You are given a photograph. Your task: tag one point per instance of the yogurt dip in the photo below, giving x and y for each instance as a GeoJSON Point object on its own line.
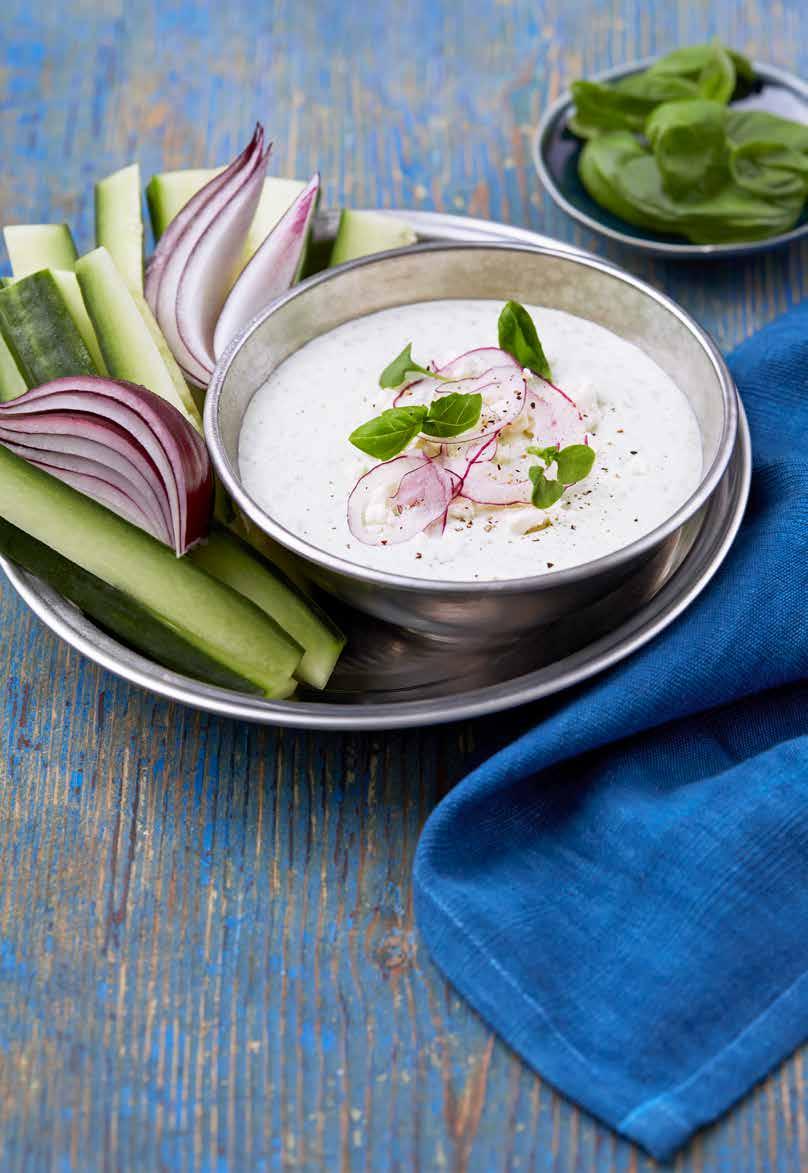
{"type": "Point", "coordinates": [297, 462]}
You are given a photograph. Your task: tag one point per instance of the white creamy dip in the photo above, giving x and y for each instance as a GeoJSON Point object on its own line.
{"type": "Point", "coordinates": [296, 460]}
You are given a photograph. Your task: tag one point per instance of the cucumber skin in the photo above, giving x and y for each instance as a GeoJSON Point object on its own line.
{"type": "Point", "coordinates": [68, 284]}
{"type": "Point", "coordinates": [221, 623]}
{"type": "Point", "coordinates": [12, 383]}
{"type": "Point", "coordinates": [233, 562]}
{"type": "Point", "coordinates": [116, 613]}
{"type": "Point", "coordinates": [40, 332]}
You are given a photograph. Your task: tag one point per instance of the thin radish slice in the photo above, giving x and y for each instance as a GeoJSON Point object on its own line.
{"type": "Point", "coordinates": [465, 366]}
{"type": "Point", "coordinates": [554, 417]}
{"type": "Point", "coordinates": [398, 499]}
{"type": "Point", "coordinates": [271, 271]}
{"type": "Point", "coordinates": [125, 445]}
{"type": "Point", "coordinates": [485, 484]}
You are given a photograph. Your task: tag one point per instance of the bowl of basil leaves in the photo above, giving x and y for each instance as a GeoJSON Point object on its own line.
{"type": "Point", "coordinates": [698, 153]}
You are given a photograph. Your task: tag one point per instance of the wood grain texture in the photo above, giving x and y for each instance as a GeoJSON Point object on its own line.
{"type": "Point", "coordinates": [207, 952]}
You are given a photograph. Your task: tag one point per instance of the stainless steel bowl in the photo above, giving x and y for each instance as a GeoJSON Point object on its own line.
{"type": "Point", "coordinates": [574, 605]}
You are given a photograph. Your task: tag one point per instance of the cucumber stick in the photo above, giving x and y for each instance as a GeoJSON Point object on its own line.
{"type": "Point", "coordinates": [68, 284]}
{"type": "Point", "coordinates": [12, 383]}
{"type": "Point", "coordinates": [128, 335]}
{"type": "Point", "coordinates": [168, 192]}
{"type": "Point", "coordinates": [32, 247]}
{"type": "Point", "coordinates": [229, 560]}
{"type": "Point", "coordinates": [40, 332]}
{"type": "Point", "coordinates": [220, 623]}
{"type": "Point", "coordinates": [119, 223]}
{"type": "Point", "coordinates": [361, 233]}
{"type": "Point", "coordinates": [117, 613]}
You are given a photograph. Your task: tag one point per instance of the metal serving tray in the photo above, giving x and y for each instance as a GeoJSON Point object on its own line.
{"type": "Point", "coordinates": [390, 679]}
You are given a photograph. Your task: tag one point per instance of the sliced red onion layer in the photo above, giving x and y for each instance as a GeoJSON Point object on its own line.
{"type": "Point", "coordinates": [271, 271]}
{"type": "Point", "coordinates": [398, 499]}
{"type": "Point", "coordinates": [188, 276]}
{"type": "Point", "coordinates": [121, 445]}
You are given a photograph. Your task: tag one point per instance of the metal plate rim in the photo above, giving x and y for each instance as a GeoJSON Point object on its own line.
{"type": "Point", "coordinates": [674, 597]}
{"type": "Point", "coordinates": [657, 248]}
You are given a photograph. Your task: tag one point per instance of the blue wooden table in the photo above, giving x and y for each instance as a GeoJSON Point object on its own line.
{"type": "Point", "coordinates": [207, 952]}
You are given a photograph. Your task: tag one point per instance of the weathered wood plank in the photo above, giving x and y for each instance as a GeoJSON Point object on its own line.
{"type": "Point", "coordinates": [207, 951]}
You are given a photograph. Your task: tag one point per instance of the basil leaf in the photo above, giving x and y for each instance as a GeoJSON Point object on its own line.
{"type": "Point", "coordinates": [545, 493]}
{"type": "Point", "coordinates": [517, 335]}
{"type": "Point", "coordinates": [769, 169]}
{"type": "Point", "coordinates": [717, 79]}
{"type": "Point", "coordinates": [453, 414]}
{"type": "Point", "coordinates": [623, 176]}
{"type": "Point", "coordinates": [690, 146]}
{"type": "Point", "coordinates": [691, 61]}
{"type": "Point", "coordinates": [389, 433]}
{"type": "Point", "coordinates": [402, 365]}
{"type": "Point", "coordinates": [548, 455]}
{"type": "Point", "coordinates": [574, 463]}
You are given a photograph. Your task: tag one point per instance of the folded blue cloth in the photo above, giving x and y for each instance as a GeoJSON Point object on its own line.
{"type": "Point", "coordinates": [623, 892]}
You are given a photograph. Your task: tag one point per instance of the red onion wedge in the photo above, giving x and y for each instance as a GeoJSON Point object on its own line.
{"type": "Point", "coordinates": [398, 499]}
{"type": "Point", "coordinates": [188, 276]}
{"type": "Point", "coordinates": [121, 445]}
{"type": "Point", "coordinates": [274, 267]}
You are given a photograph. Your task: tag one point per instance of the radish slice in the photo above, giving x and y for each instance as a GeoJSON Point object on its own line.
{"type": "Point", "coordinates": [465, 366]}
{"type": "Point", "coordinates": [273, 268]}
{"type": "Point", "coordinates": [554, 417]}
{"type": "Point", "coordinates": [486, 484]}
{"type": "Point", "coordinates": [188, 276]}
{"type": "Point", "coordinates": [492, 373]}
{"type": "Point", "coordinates": [399, 499]}
{"type": "Point", "coordinates": [120, 444]}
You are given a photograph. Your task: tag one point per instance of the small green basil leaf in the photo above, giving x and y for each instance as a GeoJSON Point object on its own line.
{"type": "Point", "coordinates": [389, 433]}
{"type": "Point", "coordinates": [453, 414]}
{"type": "Point", "coordinates": [574, 463]}
{"type": "Point", "coordinates": [517, 335]}
{"type": "Point", "coordinates": [402, 365]}
{"type": "Point", "coordinates": [545, 493]}
{"type": "Point", "coordinates": [548, 455]}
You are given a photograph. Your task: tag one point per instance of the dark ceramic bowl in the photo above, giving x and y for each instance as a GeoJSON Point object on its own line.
{"type": "Point", "coordinates": [556, 151]}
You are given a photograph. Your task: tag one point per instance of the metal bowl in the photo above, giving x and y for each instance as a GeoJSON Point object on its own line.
{"type": "Point", "coordinates": [556, 151]}
{"type": "Point", "coordinates": [576, 601]}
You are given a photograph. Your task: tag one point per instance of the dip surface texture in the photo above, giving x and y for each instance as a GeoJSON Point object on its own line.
{"type": "Point", "coordinates": [296, 460]}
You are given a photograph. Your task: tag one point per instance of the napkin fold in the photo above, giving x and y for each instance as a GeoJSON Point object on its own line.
{"type": "Point", "coordinates": [622, 893]}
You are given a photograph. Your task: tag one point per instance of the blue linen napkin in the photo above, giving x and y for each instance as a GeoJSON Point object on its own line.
{"type": "Point", "coordinates": [622, 893]}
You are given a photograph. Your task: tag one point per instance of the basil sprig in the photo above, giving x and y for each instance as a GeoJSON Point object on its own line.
{"type": "Point", "coordinates": [573, 464]}
{"type": "Point", "coordinates": [396, 428]}
{"type": "Point", "coordinates": [396, 373]}
{"type": "Point", "coordinates": [517, 335]}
